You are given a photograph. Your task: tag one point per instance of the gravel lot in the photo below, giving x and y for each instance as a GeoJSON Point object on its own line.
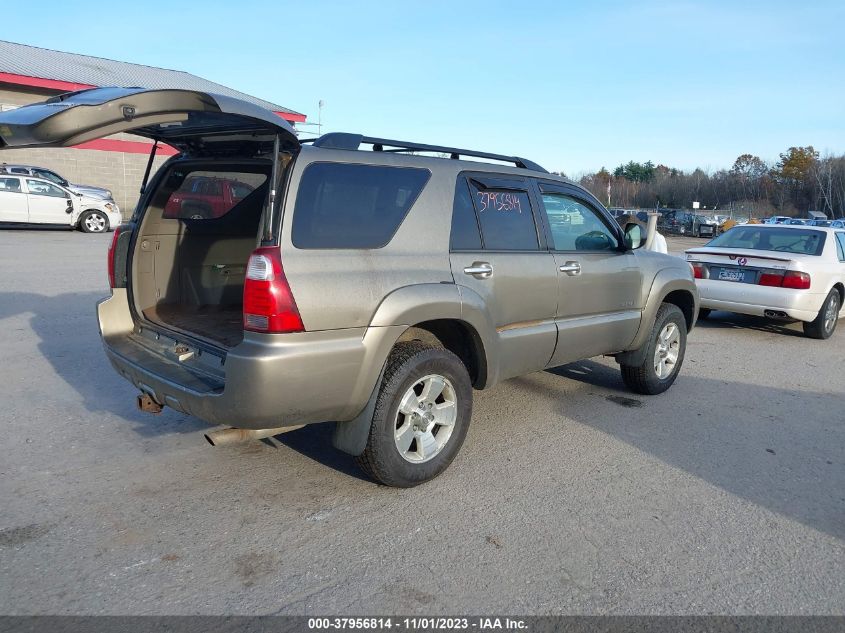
{"type": "Point", "coordinates": [724, 495]}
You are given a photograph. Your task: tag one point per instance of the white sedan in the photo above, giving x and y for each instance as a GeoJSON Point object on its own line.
{"type": "Point", "coordinates": [26, 201]}
{"type": "Point", "coordinates": [777, 271]}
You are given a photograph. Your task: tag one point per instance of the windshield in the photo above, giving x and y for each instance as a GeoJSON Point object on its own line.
{"type": "Point", "coordinates": [757, 237]}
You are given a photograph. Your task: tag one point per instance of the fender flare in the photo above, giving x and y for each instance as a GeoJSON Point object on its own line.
{"type": "Point", "coordinates": [666, 281]}
{"type": "Point", "coordinates": [410, 305]}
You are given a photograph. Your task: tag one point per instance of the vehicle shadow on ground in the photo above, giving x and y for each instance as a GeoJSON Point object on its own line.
{"type": "Point", "coordinates": [69, 339]}
{"type": "Point", "coordinates": [66, 326]}
{"type": "Point", "coordinates": [730, 320]}
{"type": "Point", "coordinates": [788, 459]}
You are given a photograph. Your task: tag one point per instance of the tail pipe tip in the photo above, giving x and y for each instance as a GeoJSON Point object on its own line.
{"type": "Point", "coordinates": [225, 437]}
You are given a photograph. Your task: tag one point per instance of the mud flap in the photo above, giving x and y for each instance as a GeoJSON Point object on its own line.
{"type": "Point", "coordinates": [351, 437]}
{"type": "Point", "coordinates": [634, 358]}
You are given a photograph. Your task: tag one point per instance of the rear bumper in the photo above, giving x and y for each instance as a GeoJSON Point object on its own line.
{"type": "Point", "coordinates": [267, 381]}
{"type": "Point", "coordinates": [755, 300]}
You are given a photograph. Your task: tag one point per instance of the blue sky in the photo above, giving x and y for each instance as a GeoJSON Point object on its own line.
{"type": "Point", "coordinates": [572, 86]}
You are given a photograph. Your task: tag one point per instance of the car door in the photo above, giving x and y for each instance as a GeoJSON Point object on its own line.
{"type": "Point", "coordinates": [13, 203]}
{"type": "Point", "coordinates": [48, 204]}
{"type": "Point", "coordinates": [498, 255]}
{"type": "Point", "coordinates": [599, 281]}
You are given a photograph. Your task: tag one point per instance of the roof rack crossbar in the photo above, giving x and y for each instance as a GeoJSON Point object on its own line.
{"type": "Point", "coordinates": [342, 140]}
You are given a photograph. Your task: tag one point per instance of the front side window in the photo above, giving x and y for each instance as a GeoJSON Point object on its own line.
{"type": "Point", "coordinates": [575, 226]}
{"type": "Point", "coordinates": [11, 185]}
{"type": "Point", "coordinates": [505, 217]}
{"type": "Point", "coordinates": [341, 205]}
{"type": "Point", "coordinates": [41, 188]}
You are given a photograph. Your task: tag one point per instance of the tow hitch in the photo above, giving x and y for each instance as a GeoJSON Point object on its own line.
{"type": "Point", "coordinates": [148, 405]}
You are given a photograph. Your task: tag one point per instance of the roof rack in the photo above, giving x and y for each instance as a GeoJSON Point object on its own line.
{"type": "Point", "coordinates": [345, 140]}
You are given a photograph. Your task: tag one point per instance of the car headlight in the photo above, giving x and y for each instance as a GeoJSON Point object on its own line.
{"type": "Point", "coordinates": [109, 206]}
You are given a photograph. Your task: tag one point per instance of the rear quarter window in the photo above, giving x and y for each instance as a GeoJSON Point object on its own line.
{"type": "Point", "coordinates": [340, 205]}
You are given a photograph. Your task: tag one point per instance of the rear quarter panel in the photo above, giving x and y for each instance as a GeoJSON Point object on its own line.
{"type": "Point", "coordinates": [343, 288]}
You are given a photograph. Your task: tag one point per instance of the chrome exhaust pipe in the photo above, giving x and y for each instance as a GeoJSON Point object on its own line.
{"type": "Point", "coordinates": [225, 437]}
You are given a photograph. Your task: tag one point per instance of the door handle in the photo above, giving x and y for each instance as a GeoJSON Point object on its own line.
{"type": "Point", "coordinates": [571, 268]}
{"type": "Point", "coordinates": [479, 270]}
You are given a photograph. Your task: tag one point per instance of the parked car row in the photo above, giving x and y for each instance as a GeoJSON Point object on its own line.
{"type": "Point", "coordinates": [30, 201]}
{"type": "Point", "coordinates": [48, 174]}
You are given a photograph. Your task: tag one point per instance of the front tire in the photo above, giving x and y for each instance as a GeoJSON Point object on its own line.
{"type": "Point", "coordinates": [94, 222]}
{"type": "Point", "coordinates": [664, 355]}
{"type": "Point", "coordinates": [824, 325]}
{"type": "Point", "coordinates": [421, 417]}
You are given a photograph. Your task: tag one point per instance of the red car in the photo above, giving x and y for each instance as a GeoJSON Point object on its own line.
{"type": "Point", "coordinates": [205, 198]}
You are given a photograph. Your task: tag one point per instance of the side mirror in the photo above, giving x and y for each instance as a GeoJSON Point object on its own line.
{"type": "Point", "coordinates": [634, 235]}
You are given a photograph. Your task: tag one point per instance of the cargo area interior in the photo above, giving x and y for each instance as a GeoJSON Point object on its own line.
{"type": "Point", "coordinates": [192, 249]}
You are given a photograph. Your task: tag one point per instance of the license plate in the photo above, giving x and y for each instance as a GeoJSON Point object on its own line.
{"type": "Point", "coordinates": [727, 274]}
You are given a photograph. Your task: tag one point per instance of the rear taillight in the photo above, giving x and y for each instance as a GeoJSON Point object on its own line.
{"type": "Point", "coordinates": [796, 280]}
{"type": "Point", "coordinates": [790, 279]}
{"type": "Point", "coordinates": [699, 270]}
{"type": "Point", "coordinates": [770, 279]}
{"type": "Point", "coordinates": [268, 303]}
{"type": "Point", "coordinates": [112, 248]}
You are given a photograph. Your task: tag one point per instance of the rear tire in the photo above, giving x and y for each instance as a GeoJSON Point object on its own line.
{"type": "Point", "coordinates": [824, 325]}
{"type": "Point", "coordinates": [664, 355]}
{"type": "Point", "coordinates": [94, 222]}
{"type": "Point", "coordinates": [418, 425]}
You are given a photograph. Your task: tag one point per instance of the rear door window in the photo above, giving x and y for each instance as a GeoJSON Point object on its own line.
{"type": "Point", "coordinates": [10, 185]}
{"type": "Point", "coordinates": [343, 205]}
{"type": "Point", "coordinates": [504, 214]}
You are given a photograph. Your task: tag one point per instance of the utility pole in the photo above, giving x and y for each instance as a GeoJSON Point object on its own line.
{"type": "Point", "coordinates": [320, 105]}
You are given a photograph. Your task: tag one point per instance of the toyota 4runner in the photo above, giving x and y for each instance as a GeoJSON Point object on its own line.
{"type": "Point", "coordinates": [372, 288]}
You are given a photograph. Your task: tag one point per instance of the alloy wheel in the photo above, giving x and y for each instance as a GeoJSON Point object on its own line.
{"type": "Point", "coordinates": [667, 350]}
{"type": "Point", "coordinates": [425, 419]}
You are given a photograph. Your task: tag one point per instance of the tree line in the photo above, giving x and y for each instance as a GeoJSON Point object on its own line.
{"type": "Point", "coordinates": [798, 182]}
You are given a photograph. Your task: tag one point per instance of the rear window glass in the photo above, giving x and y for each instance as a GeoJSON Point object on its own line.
{"type": "Point", "coordinates": [353, 206]}
{"type": "Point", "coordinates": [783, 240]}
{"type": "Point", "coordinates": [208, 195]}
{"type": "Point", "coordinates": [10, 184]}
